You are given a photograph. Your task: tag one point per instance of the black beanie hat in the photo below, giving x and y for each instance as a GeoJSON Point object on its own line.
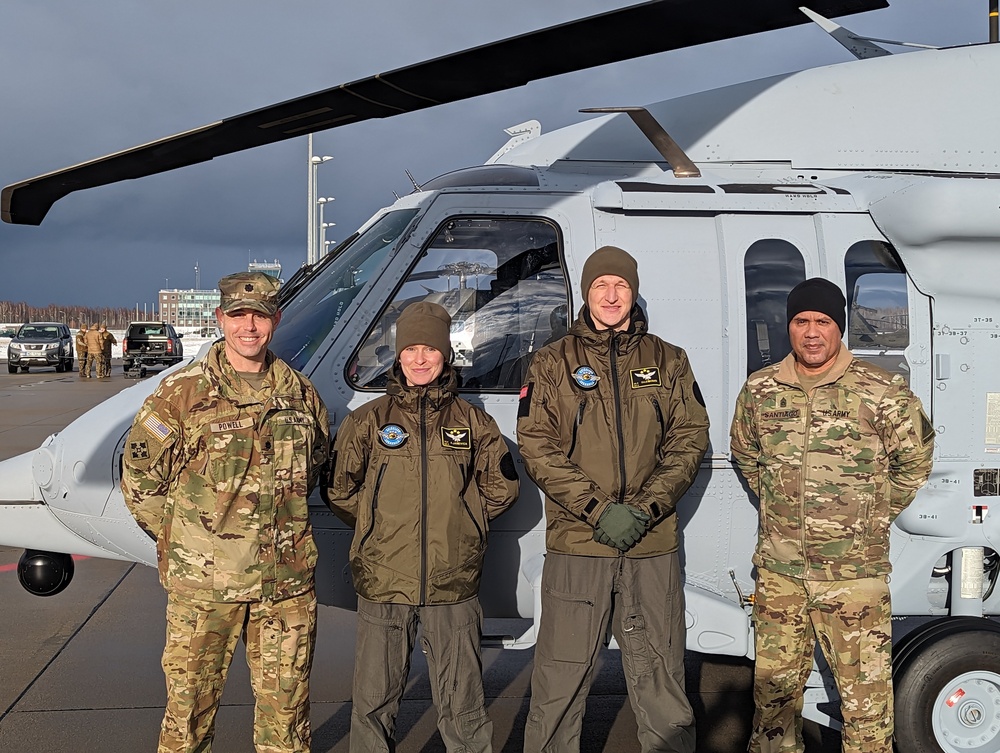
{"type": "Point", "coordinates": [818, 294]}
{"type": "Point", "coordinates": [424, 323]}
{"type": "Point", "coordinates": [610, 260]}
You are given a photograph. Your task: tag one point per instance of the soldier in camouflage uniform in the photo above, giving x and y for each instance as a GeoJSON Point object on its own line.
{"type": "Point", "coordinates": [95, 346]}
{"type": "Point", "coordinates": [835, 448]}
{"type": "Point", "coordinates": [218, 466]}
{"type": "Point", "coordinates": [612, 427]}
{"type": "Point", "coordinates": [81, 351]}
{"type": "Point", "coordinates": [419, 474]}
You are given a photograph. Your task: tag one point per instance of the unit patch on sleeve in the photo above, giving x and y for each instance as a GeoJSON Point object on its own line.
{"type": "Point", "coordinates": [646, 377]}
{"type": "Point", "coordinates": [139, 450]}
{"type": "Point", "coordinates": [457, 438]}
{"type": "Point", "coordinates": [524, 402]}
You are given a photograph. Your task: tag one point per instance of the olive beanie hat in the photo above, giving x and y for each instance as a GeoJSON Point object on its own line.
{"type": "Point", "coordinates": [424, 323]}
{"type": "Point", "coordinates": [610, 260]}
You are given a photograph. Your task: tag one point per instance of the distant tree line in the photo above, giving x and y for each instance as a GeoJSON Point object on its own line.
{"type": "Point", "coordinates": [74, 316]}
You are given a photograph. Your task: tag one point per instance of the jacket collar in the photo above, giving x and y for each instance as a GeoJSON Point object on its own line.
{"type": "Point", "coordinates": [438, 393]}
{"type": "Point", "coordinates": [601, 339]}
{"type": "Point", "coordinates": [227, 380]}
{"type": "Point", "coordinates": [787, 373]}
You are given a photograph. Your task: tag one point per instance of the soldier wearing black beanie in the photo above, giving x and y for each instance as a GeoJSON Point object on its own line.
{"type": "Point", "coordinates": [817, 294]}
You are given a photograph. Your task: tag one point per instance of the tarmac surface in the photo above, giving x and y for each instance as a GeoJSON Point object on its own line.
{"type": "Point", "coordinates": [81, 669]}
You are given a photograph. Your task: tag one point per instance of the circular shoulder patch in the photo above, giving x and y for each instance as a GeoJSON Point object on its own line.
{"type": "Point", "coordinates": [586, 377]}
{"type": "Point", "coordinates": [392, 436]}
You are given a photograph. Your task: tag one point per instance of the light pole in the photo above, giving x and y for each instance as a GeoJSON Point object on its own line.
{"type": "Point", "coordinates": [322, 236]}
{"type": "Point", "coordinates": [321, 244]}
{"type": "Point", "coordinates": [314, 163]}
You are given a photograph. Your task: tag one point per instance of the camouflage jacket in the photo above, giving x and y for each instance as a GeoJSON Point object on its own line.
{"type": "Point", "coordinates": [95, 342]}
{"type": "Point", "coordinates": [219, 474]}
{"type": "Point", "coordinates": [611, 417]}
{"type": "Point", "coordinates": [81, 343]}
{"type": "Point", "coordinates": [832, 470]}
{"type": "Point", "coordinates": [419, 473]}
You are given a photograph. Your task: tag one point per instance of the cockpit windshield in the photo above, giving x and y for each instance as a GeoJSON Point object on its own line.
{"type": "Point", "coordinates": [309, 317]}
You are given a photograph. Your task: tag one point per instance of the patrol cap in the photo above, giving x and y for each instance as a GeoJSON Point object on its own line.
{"type": "Point", "coordinates": [249, 290]}
{"type": "Point", "coordinates": [610, 260]}
{"type": "Point", "coordinates": [818, 294]}
{"type": "Point", "coordinates": [424, 323]}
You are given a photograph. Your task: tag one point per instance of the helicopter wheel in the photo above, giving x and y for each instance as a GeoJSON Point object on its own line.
{"type": "Point", "coordinates": [947, 688]}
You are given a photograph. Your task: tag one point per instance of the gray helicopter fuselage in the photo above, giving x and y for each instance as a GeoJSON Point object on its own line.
{"type": "Point", "coordinates": [880, 175]}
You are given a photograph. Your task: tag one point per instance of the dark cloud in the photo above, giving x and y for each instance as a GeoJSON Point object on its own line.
{"type": "Point", "coordinates": [85, 79]}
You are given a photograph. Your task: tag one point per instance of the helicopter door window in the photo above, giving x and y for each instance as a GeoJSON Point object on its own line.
{"type": "Point", "coordinates": [771, 268]}
{"type": "Point", "coordinates": [878, 323]}
{"type": "Point", "coordinates": [308, 318]}
{"type": "Point", "coordinates": [502, 281]}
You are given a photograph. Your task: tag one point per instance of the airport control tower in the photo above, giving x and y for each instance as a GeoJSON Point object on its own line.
{"type": "Point", "coordinates": [272, 268]}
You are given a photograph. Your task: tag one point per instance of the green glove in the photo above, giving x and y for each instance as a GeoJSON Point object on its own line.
{"type": "Point", "coordinates": [621, 525]}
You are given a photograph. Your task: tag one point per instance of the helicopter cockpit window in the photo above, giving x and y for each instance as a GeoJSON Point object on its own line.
{"type": "Point", "coordinates": [771, 268]}
{"type": "Point", "coordinates": [501, 280]}
{"type": "Point", "coordinates": [878, 323]}
{"type": "Point", "coordinates": [308, 318]}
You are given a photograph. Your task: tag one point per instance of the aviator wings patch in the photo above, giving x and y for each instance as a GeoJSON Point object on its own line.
{"type": "Point", "coordinates": [457, 438]}
{"type": "Point", "coordinates": [645, 377]}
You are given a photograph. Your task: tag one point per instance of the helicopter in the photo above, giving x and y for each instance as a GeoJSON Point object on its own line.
{"type": "Point", "coordinates": [878, 174]}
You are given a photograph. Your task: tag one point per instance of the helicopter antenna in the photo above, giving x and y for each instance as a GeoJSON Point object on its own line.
{"type": "Point", "coordinates": [416, 186]}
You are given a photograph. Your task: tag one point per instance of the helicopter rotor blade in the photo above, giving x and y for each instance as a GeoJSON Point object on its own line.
{"type": "Point", "coordinates": [622, 34]}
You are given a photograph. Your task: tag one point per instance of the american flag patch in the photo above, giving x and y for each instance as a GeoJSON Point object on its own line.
{"type": "Point", "coordinates": [156, 427]}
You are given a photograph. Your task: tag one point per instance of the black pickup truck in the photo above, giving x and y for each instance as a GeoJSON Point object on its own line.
{"type": "Point", "coordinates": [150, 344]}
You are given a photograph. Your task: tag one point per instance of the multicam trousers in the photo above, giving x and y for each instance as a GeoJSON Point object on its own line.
{"type": "Point", "coordinates": [643, 602]}
{"type": "Point", "coordinates": [201, 638]}
{"type": "Point", "coordinates": [851, 620]}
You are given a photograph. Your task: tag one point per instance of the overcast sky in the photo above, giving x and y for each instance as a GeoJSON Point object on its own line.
{"type": "Point", "coordinates": [80, 80]}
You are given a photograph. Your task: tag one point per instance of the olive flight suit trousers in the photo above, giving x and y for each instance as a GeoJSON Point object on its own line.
{"type": "Point", "coordinates": [851, 619]}
{"type": "Point", "coordinates": [643, 601]}
{"type": "Point", "coordinates": [451, 642]}
{"type": "Point", "coordinates": [201, 638]}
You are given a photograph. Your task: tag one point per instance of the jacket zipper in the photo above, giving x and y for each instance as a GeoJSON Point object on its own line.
{"type": "Point", "coordinates": [802, 481]}
{"type": "Point", "coordinates": [618, 417]}
{"type": "Point", "coordinates": [371, 524]}
{"type": "Point", "coordinates": [423, 499]}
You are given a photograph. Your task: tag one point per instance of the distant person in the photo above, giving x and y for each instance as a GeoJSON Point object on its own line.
{"type": "Point", "coordinates": [81, 351]}
{"type": "Point", "coordinates": [612, 427]}
{"type": "Point", "coordinates": [835, 448]}
{"type": "Point", "coordinates": [419, 473]}
{"type": "Point", "coordinates": [218, 466]}
{"type": "Point", "coordinates": [95, 348]}
{"type": "Point", "coordinates": [107, 341]}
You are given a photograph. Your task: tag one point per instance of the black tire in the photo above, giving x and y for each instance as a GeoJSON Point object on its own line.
{"type": "Point", "coordinates": [947, 688]}
{"type": "Point", "coordinates": [11, 368]}
{"type": "Point", "coordinates": [59, 367]}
